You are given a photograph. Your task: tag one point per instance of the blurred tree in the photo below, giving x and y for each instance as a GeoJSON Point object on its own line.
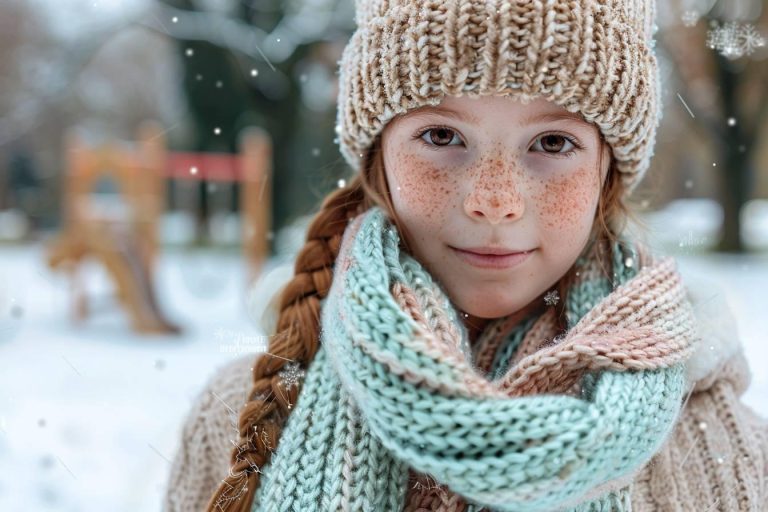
{"type": "Point", "coordinates": [23, 183]}
{"type": "Point", "coordinates": [59, 69]}
{"type": "Point", "coordinates": [243, 63]}
{"type": "Point", "coordinates": [724, 82]}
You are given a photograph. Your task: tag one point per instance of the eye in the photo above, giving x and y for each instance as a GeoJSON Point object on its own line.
{"type": "Point", "coordinates": [557, 144]}
{"type": "Point", "coordinates": [438, 136]}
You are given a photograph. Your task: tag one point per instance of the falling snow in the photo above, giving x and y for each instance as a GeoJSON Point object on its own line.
{"type": "Point", "coordinates": [733, 39]}
{"type": "Point", "coordinates": [751, 39]}
{"type": "Point", "coordinates": [551, 298]}
{"type": "Point", "coordinates": [690, 18]}
{"type": "Point", "coordinates": [119, 397]}
{"type": "Point", "coordinates": [291, 375]}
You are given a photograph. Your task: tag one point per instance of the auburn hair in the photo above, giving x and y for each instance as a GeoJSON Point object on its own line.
{"type": "Point", "coordinates": [296, 338]}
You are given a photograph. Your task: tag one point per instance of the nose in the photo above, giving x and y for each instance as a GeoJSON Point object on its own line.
{"type": "Point", "coordinates": [495, 196]}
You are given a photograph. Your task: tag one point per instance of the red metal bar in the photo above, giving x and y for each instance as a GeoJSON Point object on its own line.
{"type": "Point", "coordinates": [204, 166]}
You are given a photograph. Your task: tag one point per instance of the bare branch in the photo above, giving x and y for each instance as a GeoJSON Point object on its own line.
{"type": "Point", "coordinates": [239, 37]}
{"type": "Point", "coordinates": [308, 24]}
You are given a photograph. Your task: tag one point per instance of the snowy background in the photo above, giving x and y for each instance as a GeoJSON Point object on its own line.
{"type": "Point", "coordinates": [90, 416]}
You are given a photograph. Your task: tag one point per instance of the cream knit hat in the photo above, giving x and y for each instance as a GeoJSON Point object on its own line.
{"type": "Point", "coordinates": [588, 56]}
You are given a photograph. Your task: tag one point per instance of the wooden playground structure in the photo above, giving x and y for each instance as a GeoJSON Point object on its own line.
{"type": "Point", "coordinates": [122, 233]}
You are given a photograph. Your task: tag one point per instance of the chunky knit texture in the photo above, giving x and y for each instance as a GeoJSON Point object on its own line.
{"type": "Point", "coordinates": [396, 395]}
{"type": "Point", "coordinates": [689, 473]}
{"type": "Point", "coordinates": [594, 57]}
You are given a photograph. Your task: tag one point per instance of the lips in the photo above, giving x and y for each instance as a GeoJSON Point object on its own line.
{"type": "Point", "coordinates": [493, 251]}
{"type": "Point", "coordinates": [505, 258]}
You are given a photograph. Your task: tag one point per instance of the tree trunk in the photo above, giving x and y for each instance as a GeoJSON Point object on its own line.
{"type": "Point", "coordinates": [734, 169]}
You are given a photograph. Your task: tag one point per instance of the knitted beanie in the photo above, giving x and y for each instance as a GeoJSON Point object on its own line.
{"type": "Point", "coordinates": [594, 57]}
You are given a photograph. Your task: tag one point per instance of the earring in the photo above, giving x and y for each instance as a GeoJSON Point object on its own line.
{"type": "Point", "coordinates": [551, 298]}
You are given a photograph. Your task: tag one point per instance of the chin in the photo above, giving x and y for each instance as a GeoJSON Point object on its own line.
{"type": "Point", "coordinates": [489, 311]}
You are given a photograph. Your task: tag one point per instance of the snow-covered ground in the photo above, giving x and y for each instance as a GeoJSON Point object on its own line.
{"type": "Point", "coordinates": [90, 416]}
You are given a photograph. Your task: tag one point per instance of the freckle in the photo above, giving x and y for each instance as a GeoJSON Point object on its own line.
{"type": "Point", "coordinates": [423, 186]}
{"type": "Point", "coordinates": [565, 200]}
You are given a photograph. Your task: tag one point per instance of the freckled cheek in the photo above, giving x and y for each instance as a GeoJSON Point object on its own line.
{"type": "Point", "coordinates": [426, 190]}
{"type": "Point", "coordinates": [566, 206]}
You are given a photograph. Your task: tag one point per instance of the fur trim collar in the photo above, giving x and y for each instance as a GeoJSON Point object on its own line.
{"type": "Point", "coordinates": [718, 336]}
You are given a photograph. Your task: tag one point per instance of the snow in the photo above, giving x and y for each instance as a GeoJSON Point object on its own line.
{"type": "Point", "coordinates": [90, 416]}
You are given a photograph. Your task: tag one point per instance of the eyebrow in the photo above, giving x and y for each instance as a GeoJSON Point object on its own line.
{"type": "Point", "coordinates": [445, 111]}
{"type": "Point", "coordinates": [553, 116]}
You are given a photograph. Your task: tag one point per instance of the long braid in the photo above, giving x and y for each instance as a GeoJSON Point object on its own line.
{"type": "Point", "coordinates": [296, 340]}
{"type": "Point", "coordinates": [297, 334]}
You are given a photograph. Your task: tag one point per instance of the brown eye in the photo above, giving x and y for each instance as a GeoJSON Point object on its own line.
{"type": "Point", "coordinates": [439, 136]}
{"type": "Point", "coordinates": [555, 144]}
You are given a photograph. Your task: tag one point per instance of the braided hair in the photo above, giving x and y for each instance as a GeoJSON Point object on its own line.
{"type": "Point", "coordinates": [296, 338]}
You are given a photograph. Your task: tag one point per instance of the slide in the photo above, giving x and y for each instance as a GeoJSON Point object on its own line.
{"type": "Point", "coordinates": [123, 261]}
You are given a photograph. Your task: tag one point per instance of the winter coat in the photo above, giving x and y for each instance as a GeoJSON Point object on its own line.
{"type": "Point", "coordinates": [716, 458]}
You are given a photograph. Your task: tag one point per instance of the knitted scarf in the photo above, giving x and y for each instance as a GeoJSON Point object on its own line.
{"type": "Point", "coordinates": [398, 412]}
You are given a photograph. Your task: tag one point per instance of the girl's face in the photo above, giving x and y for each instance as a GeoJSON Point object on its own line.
{"type": "Point", "coordinates": [493, 172]}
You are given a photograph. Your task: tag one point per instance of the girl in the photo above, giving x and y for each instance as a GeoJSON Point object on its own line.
{"type": "Point", "coordinates": [471, 325]}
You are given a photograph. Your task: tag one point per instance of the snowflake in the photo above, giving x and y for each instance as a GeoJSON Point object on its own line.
{"type": "Point", "coordinates": [751, 39]}
{"type": "Point", "coordinates": [291, 375]}
{"type": "Point", "coordinates": [690, 18]}
{"type": "Point", "coordinates": [733, 40]}
{"type": "Point", "coordinates": [725, 39]}
{"type": "Point", "coordinates": [551, 298]}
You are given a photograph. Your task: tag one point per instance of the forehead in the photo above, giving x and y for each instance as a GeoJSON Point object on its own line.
{"type": "Point", "coordinates": [509, 109]}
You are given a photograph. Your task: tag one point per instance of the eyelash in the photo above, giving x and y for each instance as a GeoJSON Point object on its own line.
{"type": "Point", "coordinates": [568, 154]}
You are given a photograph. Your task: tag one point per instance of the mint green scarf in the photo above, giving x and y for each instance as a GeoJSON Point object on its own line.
{"type": "Point", "coordinates": [394, 391]}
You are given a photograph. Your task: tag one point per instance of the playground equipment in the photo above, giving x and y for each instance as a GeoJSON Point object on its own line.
{"type": "Point", "coordinates": [252, 169]}
{"type": "Point", "coordinates": [120, 229]}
